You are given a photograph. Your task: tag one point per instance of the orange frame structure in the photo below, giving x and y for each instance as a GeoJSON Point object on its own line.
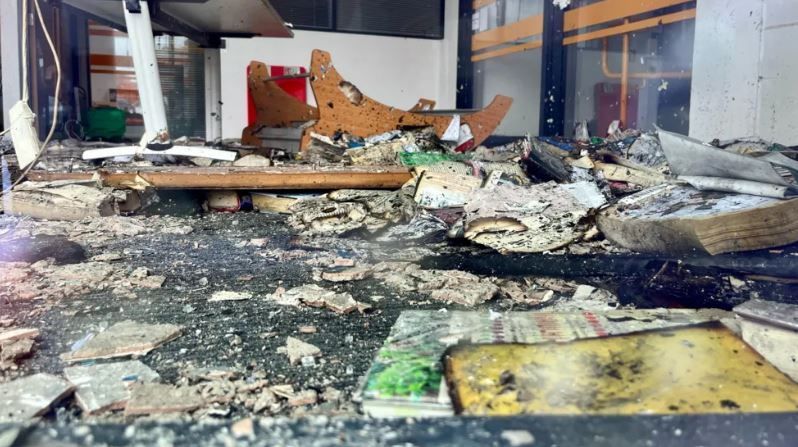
{"type": "Point", "coordinates": [508, 39]}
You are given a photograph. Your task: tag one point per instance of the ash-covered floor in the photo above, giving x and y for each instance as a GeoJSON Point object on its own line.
{"type": "Point", "coordinates": [238, 342]}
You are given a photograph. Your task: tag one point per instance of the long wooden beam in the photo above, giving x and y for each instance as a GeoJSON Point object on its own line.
{"type": "Point", "coordinates": [277, 178]}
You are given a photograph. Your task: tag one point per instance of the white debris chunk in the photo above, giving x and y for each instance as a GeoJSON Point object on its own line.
{"type": "Point", "coordinates": [227, 295]}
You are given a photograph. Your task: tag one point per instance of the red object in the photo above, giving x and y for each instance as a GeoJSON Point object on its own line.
{"type": "Point", "coordinates": [295, 87]}
{"type": "Point", "coordinates": [607, 98]}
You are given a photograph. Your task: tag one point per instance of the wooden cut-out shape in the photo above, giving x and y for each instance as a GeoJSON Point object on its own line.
{"type": "Point", "coordinates": [343, 107]}
{"type": "Point", "coordinates": [273, 106]}
{"type": "Point", "coordinates": [422, 105]}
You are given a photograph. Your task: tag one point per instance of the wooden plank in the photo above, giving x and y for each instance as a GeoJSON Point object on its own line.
{"type": "Point", "coordinates": [631, 27]}
{"type": "Point", "coordinates": [242, 178]}
{"type": "Point", "coordinates": [44, 176]}
{"type": "Point", "coordinates": [609, 10]}
{"type": "Point", "coordinates": [508, 50]}
{"type": "Point", "coordinates": [526, 27]}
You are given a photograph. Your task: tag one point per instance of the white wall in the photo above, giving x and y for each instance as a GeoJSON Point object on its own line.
{"type": "Point", "coordinates": [745, 73]}
{"type": "Point", "coordinates": [777, 115]}
{"type": "Point", "coordinates": [515, 75]}
{"type": "Point", "coordinates": [393, 70]}
{"type": "Point", "coordinates": [10, 56]}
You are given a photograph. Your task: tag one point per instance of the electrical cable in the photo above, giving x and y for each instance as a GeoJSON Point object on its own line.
{"type": "Point", "coordinates": [43, 147]}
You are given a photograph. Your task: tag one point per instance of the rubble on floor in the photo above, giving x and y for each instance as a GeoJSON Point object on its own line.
{"type": "Point", "coordinates": [31, 396]}
{"type": "Point", "coordinates": [316, 296]}
{"type": "Point", "coordinates": [345, 211]}
{"type": "Point", "coordinates": [536, 218]}
{"type": "Point", "coordinates": [297, 350]}
{"type": "Point", "coordinates": [106, 386]}
{"type": "Point", "coordinates": [63, 201]}
{"type": "Point", "coordinates": [255, 314]}
{"type": "Point", "coordinates": [227, 295]}
{"type": "Point", "coordinates": [16, 344]}
{"type": "Point", "coordinates": [155, 398]}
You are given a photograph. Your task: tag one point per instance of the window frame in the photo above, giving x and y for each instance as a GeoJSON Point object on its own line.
{"type": "Point", "coordinates": [334, 25]}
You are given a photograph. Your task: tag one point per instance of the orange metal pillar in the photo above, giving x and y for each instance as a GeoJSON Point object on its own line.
{"type": "Point", "coordinates": [625, 77]}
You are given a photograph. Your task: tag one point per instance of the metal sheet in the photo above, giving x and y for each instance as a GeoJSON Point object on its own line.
{"type": "Point", "coordinates": [738, 186]}
{"type": "Point", "coordinates": [690, 157]}
{"type": "Point", "coordinates": [225, 18]}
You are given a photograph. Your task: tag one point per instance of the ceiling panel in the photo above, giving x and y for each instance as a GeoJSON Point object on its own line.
{"type": "Point", "coordinates": [222, 17]}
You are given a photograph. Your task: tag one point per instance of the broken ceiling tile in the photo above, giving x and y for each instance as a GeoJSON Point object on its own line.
{"type": "Point", "coordinates": [13, 335]}
{"type": "Point", "coordinates": [15, 344]}
{"type": "Point", "coordinates": [454, 286]}
{"type": "Point", "coordinates": [253, 160]}
{"type": "Point", "coordinates": [474, 294]}
{"type": "Point", "coordinates": [103, 387]}
{"type": "Point", "coordinates": [524, 293]}
{"type": "Point", "coordinates": [316, 296]}
{"type": "Point", "coordinates": [307, 397]}
{"type": "Point", "coordinates": [535, 218]}
{"type": "Point", "coordinates": [351, 274]}
{"type": "Point", "coordinates": [31, 396]}
{"type": "Point", "coordinates": [126, 338]}
{"type": "Point", "coordinates": [155, 398]}
{"type": "Point", "coordinates": [243, 429]}
{"type": "Point", "coordinates": [342, 303]}
{"type": "Point", "coordinates": [296, 349]}
{"type": "Point", "coordinates": [61, 201]}
{"type": "Point", "coordinates": [438, 190]}
{"type": "Point", "coordinates": [226, 295]}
